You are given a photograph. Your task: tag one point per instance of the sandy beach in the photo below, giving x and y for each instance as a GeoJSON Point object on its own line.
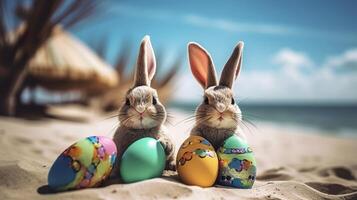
{"type": "Point", "coordinates": [292, 163]}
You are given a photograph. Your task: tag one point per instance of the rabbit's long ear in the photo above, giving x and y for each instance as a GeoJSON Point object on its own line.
{"type": "Point", "coordinates": [146, 64]}
{"type": "Point", "coordinates": [233, 66]}
{"type": "Point", "coordinates": [201, 65]}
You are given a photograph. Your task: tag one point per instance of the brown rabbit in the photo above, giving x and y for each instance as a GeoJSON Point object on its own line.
{"type": "Point", "coordinates": [142, 114]}
{"type": "Point", "coordinates": [218, 116]}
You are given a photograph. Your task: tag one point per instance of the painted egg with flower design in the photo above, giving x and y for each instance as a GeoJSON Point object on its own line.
{"type": "Point", "coordinates": [86, 163]}
{"type": "Point", "coordinates": [197, 162]}
{"type": "Point", "coordinates": [237, 166]}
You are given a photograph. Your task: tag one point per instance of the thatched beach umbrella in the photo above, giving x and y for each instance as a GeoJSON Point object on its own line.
{"type": "Point", "coordinates": [65, 63]}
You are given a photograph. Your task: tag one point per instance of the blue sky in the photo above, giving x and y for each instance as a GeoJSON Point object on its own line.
{"type": "Point", "coordinates": [295, 51]}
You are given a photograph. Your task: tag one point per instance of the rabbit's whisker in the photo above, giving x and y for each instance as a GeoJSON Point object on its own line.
{"type": "Point", "coordinates": [249, 122]}
{"type": "Point", "coordinates": [126, 120]}
{"type": "Point", "coordinates": [113, 129]}
{"type": "Point", "coordinates": [202, 119]}
{"type": "Point", "coordinates": [250, 115]}
{"type": "Point", "coordinates": [247, 125]}
{"type": "Point", "coordinates": [110, 117]}
{"type": "Point", "coordinates": [188, 119]}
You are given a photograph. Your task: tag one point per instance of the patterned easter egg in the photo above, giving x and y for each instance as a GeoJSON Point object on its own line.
{"type": "Point", "coordinates": [86, 163]}
{"type": "Point", "coordinates": [237, 166]}
{"type": "Point", "coordinates": [197, 162]}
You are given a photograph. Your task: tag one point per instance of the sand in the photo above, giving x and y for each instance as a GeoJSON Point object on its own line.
{"type": "Point", "coordinates": [293, 163]}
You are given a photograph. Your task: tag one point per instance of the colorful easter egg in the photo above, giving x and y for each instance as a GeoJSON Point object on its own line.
{"type": "Point", "coordinates": [197, 162]}
{"type": "Point", "coordinates": [237, 166]}
{"type": "Point", "coordinates": [86, 163]}
{"type": "Point", "coordinates": [143, 159]}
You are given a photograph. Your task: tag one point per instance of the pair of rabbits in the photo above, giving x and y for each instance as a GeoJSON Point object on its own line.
{"type": "Point", "coordinates": [142, 114]}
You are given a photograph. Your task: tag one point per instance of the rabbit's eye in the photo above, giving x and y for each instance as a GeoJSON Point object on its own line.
{"type": "Point", "coordinates": [154, 101]}
{"type": "Point", "coordinates": [206, 100]}
{"type": "Point", "coordinates": [233, 102]}
{"type": "Point", "coordinates": [127, 102]}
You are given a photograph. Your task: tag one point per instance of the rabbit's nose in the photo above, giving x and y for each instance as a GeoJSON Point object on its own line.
{"type": "Point", "coordinates": [220, 107]}
{"type": "Point", "coordinates": [140, 109]}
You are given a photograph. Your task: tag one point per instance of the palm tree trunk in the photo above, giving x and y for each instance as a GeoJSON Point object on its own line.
{"type": "Point", "coordinates": [39, 21]}
{"type": "Point", "coordinates": [11, 91]}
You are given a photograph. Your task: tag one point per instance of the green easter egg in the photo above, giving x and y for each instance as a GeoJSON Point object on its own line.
{"type": "Point", "coordinates": [144, 159]}
{"type": "Point", "coordinates": [237, 165]}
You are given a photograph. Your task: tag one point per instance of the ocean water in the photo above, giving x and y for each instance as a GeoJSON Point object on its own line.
{"type": "Point", "coordinates": [336, 119]}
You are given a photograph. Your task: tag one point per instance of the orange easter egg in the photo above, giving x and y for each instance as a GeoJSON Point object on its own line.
{"type": "Point", "coordinates": [197, 162]}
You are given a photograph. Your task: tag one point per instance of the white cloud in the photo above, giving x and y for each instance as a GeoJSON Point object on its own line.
{"type": "Point", "coordinates": [290, 58]}
{"type": "Point", "coordinates": [139, 12]}
{"type": "Point", "coordinates": [278, 86]}
{"type": "Point", "coordinates": [347, 60]}
{"type": "Point", "coordinates": [293, 83]}
{"type": "Point", "coordinates": [321, 84]}
{"type": "Point", "coordinates": [229, 25]}
{"type": "Point", "coordinates": [292, 63]}
{"type": "Point", "coordinates": [234, 26]}
{"type": "Point", "coordinates": [200, 21]}
{"type": "Point", "coordinates": [188, 89]}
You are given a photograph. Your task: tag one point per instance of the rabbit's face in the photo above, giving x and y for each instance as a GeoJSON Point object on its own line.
{"type": "Point", "coordinates": [142, 109]}
{"type": "Point", "coordinates": [218, 109]}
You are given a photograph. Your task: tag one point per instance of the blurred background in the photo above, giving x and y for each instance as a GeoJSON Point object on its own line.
{"type": "Point", "coordinates": [299, 68]}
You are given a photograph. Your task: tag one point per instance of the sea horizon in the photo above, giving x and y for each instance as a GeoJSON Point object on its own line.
{"type": "Point", "coordinates": [339, 119]}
